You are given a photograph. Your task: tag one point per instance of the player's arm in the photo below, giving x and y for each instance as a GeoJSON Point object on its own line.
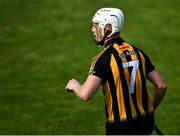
{"type": "Point", "coordinates": [159, 87]}
{"type": "Point", "coordinates": [87, 90]}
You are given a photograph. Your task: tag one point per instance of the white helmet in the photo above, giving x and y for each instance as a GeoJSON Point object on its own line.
{"type": "Point", "coordinates": [111, 16]}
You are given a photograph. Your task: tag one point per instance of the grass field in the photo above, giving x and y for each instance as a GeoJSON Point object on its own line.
{"type": "Point", "coordinates": [44, 43]}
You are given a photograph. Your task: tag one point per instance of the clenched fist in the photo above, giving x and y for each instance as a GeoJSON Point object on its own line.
{"type": "Point", "coordinates": [73, 85]}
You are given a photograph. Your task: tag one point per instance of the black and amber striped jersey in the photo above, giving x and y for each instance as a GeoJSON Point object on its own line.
{"type": "Point", "coordinates": [123, 69]}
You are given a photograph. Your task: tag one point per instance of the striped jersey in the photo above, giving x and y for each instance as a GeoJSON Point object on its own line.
{"type": "Point", "coordinates": [123, 69]}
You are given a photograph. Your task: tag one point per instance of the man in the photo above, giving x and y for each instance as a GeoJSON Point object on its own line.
{"type": "Point", "coordinates": [121, 69]}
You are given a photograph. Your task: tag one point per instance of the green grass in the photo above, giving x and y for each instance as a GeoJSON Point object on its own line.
{"type": "Point", "coordinates": [44, 43]}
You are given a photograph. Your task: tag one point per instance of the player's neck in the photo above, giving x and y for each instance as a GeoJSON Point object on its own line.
{"type": "Point", "coordinates": [110, 38]}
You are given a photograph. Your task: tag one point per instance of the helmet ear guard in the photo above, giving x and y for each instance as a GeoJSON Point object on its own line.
{"type": "Point", "coordinates": [108, 28]}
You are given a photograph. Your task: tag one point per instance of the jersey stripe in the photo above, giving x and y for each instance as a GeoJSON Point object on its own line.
{"type": "Point", "coordinates": [120, 52]}
{"type": "Point", "coordinates": [125, 91]}
{"type": "Point", "coordinates": [114, 97]}
{"type": "Point", "coordinates": [149, 105]}
{"type": "Point", "coordinates": [143, 84]}
{"type": "Point", "coordinates": [119, 92]}
{"type": "Point", "coordinates": [143, 64]}
{"type": "Point", "coordinates": [108, 101]}
{"type": "Point", "coordinates": [139, 92]}
{"type": "Point", "coordinates": [127, 73]}
{"type": "Point", "coordinates": [134, 113]}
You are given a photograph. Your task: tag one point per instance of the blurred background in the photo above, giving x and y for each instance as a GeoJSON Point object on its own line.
{"type": "Point", "coordinates": [44, 43]}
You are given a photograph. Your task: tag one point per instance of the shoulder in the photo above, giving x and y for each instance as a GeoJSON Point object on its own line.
{"type": "Point", "coordinates": [139, 51]}
{"type": "Point", "coordinates": [100, 61]}
{"type": "Point", "coordinates": [102, 55]}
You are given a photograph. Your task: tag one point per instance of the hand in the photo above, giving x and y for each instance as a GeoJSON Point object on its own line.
{"type": "Point", "coordinates": [73, 85]}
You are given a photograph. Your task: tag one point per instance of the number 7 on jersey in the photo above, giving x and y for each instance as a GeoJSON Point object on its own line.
{"type": "Point", "coordinates": [135, 65]}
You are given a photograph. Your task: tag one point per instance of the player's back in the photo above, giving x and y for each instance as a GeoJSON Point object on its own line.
{"type": "Point", "coordinates": [124, 86]}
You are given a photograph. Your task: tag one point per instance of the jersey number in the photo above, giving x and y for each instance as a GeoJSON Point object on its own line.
{"type": "Point", "coordinates": [135, 65]}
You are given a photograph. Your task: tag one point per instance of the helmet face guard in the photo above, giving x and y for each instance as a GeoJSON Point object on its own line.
{"type": "Point", "coordinates": [111, 16]}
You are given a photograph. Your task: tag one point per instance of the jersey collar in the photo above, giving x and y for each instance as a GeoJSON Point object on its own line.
{"type": "Point", "coordinates": [117, 40]}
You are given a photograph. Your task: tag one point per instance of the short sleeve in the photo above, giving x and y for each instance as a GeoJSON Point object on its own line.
{"type": "Point", "coordinates": [148, 64]}
{"type": "Point", "coordinates": [97, 68]}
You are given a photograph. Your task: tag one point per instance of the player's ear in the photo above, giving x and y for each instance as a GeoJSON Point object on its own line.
{"type": "Point", "coordinates": [108, 29]}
